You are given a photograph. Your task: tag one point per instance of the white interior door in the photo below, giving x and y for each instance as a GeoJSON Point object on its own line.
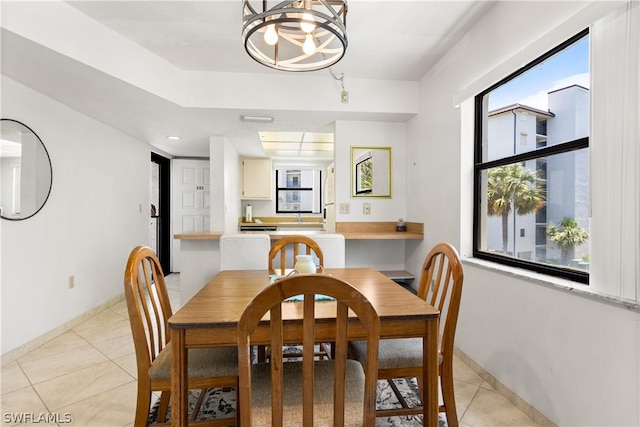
{"type": "Point", "coordinates": [191, 201]}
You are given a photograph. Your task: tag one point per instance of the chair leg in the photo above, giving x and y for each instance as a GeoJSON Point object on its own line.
{"type": "Point", "coordinates": [404, 410]}
{"type": "Point", "coordinates": [449, 399]}
{"type": "Point", "coordinates": [394, 387]}
{"type": "Point", "coordinates": [142, 406]}
{"type": "Point", "coordinates": [164, 406]}
{"type": "Point", "coordinates": [196, 409]}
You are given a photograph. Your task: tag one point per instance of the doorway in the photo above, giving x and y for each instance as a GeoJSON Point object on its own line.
{"type": "Point", "coordinates": [160, 221]}
{"type": "Point", "coordinates": [191, 201]}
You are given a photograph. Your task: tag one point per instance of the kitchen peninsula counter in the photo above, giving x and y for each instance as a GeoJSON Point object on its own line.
{"type": "Point", "coordinates": [373, 244]}
{"type": "Point", "coordinates": [350, 231]}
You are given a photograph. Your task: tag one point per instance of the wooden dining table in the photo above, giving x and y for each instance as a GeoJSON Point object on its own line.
{"type": "Point", "coordinates": [210, 319]}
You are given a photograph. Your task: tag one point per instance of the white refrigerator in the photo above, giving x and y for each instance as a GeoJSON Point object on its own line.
{"type": "Point", "coordinates": [329, 209]}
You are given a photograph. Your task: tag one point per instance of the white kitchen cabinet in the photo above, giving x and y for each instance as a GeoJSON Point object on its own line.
{"type": "Point", "coordinates": [256, 179]}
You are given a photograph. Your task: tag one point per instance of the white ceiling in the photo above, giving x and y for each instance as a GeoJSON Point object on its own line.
{"type": "Point", "coordinates": [388, 40]}
{"type": "Point", "coordinates": [402, 39]}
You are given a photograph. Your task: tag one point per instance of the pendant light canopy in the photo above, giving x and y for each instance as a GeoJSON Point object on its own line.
{"type": "Point", "coordinates": [302, 35]}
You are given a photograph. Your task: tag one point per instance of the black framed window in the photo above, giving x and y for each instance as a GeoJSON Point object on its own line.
{"type": "Point", "coordinates": [531, 166]}
{"type": "Point", "coordinates": [298, 190]}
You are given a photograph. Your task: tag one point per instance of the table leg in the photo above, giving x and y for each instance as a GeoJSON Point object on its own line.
{"type": "Point", "coordinates": [179, 379]}
{"type": "Point", "coordinates": [430, 374]}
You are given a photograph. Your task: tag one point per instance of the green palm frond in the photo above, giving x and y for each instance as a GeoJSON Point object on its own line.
{"type": "Point", "coordinates": [514, 185]}
{"type": "Point", "coordinates": [568, 234]}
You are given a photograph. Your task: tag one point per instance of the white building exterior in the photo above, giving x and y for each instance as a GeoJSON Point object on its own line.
{"type": "Point", "coordinates": [517, 129]}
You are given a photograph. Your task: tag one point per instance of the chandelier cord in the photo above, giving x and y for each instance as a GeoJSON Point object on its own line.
{"type": "Point", "coordinates": [336, 78]}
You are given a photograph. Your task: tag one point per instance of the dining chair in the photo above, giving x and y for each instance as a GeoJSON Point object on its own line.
{"type": "Point", "coordinates": [298, 245]}
{"type": "Point", "coordinates": [441, 286]}
{"type": "Point", "coordinates": [295, 244]}
{"type": "Point", "coordinates": [338, 392]}
{"type": "Point", "coordinates": [149, 310]}
{"type": "Point", "coordinates": [244, 251]}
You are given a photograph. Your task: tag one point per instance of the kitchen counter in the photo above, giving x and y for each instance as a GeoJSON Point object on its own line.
{"type": "Point", "coordinates": [283, 222]}
{"type": "Point", "coordinates": [374, 244]}
{"type": "Point", "coordinates": [350, 231]}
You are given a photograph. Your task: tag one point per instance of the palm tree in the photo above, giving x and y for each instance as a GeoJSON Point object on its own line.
{"type": "Point", "coordinates": [567, 236]}
{"type": "Point", "coordinates": [513, 187]}
{"type": "Point", "coordinates": [366, 175]}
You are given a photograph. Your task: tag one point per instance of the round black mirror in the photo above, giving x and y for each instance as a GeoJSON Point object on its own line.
{"type": "Point", "coordinates": [25, 171]}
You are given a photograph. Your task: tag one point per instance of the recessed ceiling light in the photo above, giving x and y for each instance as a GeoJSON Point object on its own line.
{"type": "Point", "coordinates": [173, 137]}
{"type": "Point", "coordinates": [256, 119]}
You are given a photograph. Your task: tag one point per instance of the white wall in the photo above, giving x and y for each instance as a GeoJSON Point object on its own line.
{"type": "Point", "coordinates": [232, 180]}
{"type": "Point", "coordinates": [380, 254]}
{"type": "Point", "coordinates": [358, 133]}
{"type": "Point", "coordinates": [370, 134]}
{"type": "Point", "coordinates": [87, 227]}
{"type": "Point", "coordinates": [574, 359]}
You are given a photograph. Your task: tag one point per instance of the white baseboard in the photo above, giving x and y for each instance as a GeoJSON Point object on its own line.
{"type": "Point", "coordinates": [505, 391]}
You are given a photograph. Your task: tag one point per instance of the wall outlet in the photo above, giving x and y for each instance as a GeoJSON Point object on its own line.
{"type": "Point", "coordinates": [366, 208]}
{"type": "Point", "coordinates": [345, 208]}
{"type": "Point", "coordinates": [72, 281]}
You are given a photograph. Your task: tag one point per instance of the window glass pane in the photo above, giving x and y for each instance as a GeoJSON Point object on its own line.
{"type": "Point", "coordinates": [298, 191]}
{"type": "Point", "coordinates": [295, 178]}
{"type": "Point", "coordinates": [546, 105]}
{"type": "Point", "coordinates": [295, 201]}
{"type": "Point", "coordinates": [538, 210]}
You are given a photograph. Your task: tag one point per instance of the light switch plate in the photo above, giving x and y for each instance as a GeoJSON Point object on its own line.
{"type": "Point", "coordinates": [345, 208]}
{"type": "Point", "coordinates": [366, 208]}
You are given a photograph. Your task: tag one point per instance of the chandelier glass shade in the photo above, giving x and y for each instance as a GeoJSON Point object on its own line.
{"type": "Point", "coordinates": [302, 35]}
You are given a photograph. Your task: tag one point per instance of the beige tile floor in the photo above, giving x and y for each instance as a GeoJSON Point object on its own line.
{"type": "Point", "coordinates": [87, 377]}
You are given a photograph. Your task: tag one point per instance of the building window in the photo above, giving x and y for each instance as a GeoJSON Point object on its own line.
{"type": "Point", "coordinates": [298, 191]}
{"type": "Point", "coordinates": [532, 165]}
{"type": "Point", "coordinates": [523, 138]}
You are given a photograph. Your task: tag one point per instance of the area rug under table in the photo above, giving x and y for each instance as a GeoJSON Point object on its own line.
{"type": "Point", "coordinates": [220, 404]}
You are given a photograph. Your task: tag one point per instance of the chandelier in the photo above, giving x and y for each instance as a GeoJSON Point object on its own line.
{"type": "Point", "coordinates": [302, 35]}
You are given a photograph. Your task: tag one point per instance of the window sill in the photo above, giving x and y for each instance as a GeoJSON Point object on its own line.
{"type": "Point", "coordinates": [553, 282]}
